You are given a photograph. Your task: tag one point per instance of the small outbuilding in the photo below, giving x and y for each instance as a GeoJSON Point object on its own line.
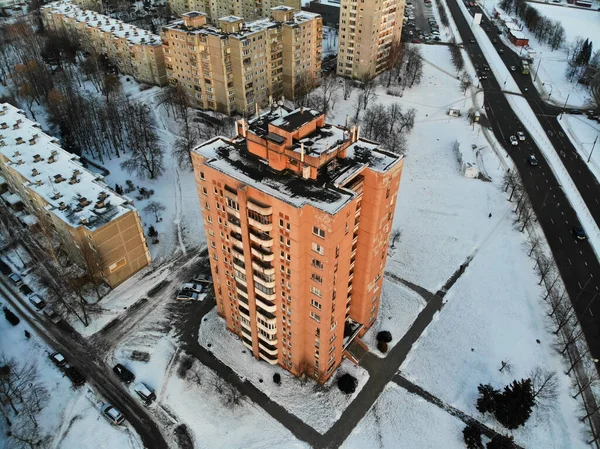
{"type": "Point", "coordinates": [518, 38]}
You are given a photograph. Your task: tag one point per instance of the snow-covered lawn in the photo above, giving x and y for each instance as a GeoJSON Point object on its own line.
{"type": "Point", "coordinates": [318, 406]}
{"type": "Point", "coordinates": [70, 413]}
{"type": "Point", "coordinates": [401, 420]}
{"type": "Point", "coordinates": [494, 314]}
{"type": "Point", "coordinates": [583, 133]}
{"type": "Point", "coordinates": [397, 311]}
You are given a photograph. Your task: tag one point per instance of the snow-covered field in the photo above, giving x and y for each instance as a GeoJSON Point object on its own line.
{"type": "Point", "coordinates": [318, 406]}
{"type": "Point", "coordinates": [66, 419]}
{"type": "Point", "coordinates": [401, 420]}
{"type": "Point", "coordinates": [583, 133]}
{"type": "Point", "coordinates": [397, 311]}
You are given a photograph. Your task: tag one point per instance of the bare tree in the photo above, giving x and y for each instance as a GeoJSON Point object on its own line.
{"type": "Point", "coordinates": [368, 90]}
{"type": "Point", "coordinates": [154, 207]}
{"type": "Point", "coordinates": [348, 87]}
{"type": "Point", "coordinates": [465, 82]}
{"type": "Point", "coordinates": [543, 266]}
{"type": "Point", "coordinates": [324, 98]}
{"type": "Point", "coordinates": [146, 154]}
{"type": "Point", "coordinates": [395, 237]}
{"type": "Point", "coordinates": [532, 244]}
{"type": "Point", "coordinates": [506, 365]}
{"type": "Point", "coordinates": [526, 213]}
{"type": "Point", "coordinates": [544, 384]}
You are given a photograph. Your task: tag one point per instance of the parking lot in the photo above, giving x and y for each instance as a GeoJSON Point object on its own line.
{"type": "Point", "coordinates": [420, 24]}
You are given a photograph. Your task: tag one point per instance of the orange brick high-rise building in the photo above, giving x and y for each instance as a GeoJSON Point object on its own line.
{"type": "Point", "coordinates": [297, 215]}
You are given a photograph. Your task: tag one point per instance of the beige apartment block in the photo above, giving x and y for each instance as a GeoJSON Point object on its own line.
{"type": "Point", "coordinates": [367, 31]}
{"type": "Point", "coordinates": [136, 52]}
{"type": "Point", "coordinates": [40, 181]}
{"type": "Point", "coordinates": [297, 215]}
{"type": "Point", "coordinates": [239, 67]}
{"type": "Point", "coordinates": [215, 9]}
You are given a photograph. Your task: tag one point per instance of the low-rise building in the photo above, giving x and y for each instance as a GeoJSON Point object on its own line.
{"type": "Point", "coordinates": [134, 51]}
{"type": "Point", "coordinates": [215, 9]}
{"type": "Point", "coordinates": [44, 182]}
{"type": "Point", "coordinates": [242, 66]}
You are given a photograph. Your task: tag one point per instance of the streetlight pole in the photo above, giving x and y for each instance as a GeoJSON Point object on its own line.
{"type": "Point", "coordinates": [536, 70]}
{"type": "Point", "coordinates": [595, 140]}
{"type": "Point", "coordinates": [564, 106]}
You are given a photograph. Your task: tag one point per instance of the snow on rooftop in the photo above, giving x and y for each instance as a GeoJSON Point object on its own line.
{"type": "Point", "coordinates": [366, 151]}
{"type": "Point", "coordinates": [231, 19]}
{"type": "Point", "coordinates": [325, 140]}
{"type": "Point", "coordinates": [517, 34]}
{"type": "Point", "coordinates": [295, 119]}
{"type": "Point", "coordinates": [11, 198]}
{"type": "Point", "coordinates": [120, 29]}
{"type": "Point", "coordinates": [74, 194]}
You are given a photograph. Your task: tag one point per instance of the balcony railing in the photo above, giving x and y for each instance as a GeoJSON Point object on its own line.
{"type": "Point", "coordinates": [270, 359]}
{"type": "Point", "coordinates": [261, 238]}
{"type": "Point", "coordinates": [266, 305]}
{"type": "Point", "coordinates": [271, 350]}
{"type": "Point", "coordinates": [271, 341]}
{"type": "Point", "coordinates": [258, 225]}
{"type": "Point", "coordinates": [263, 209]}
{"type": "Point", "coordinates": [263, 268]}
{"type": "Point", "coordinates": [262, 253]}
{"type": "Point", "coordinates": [266, 329]}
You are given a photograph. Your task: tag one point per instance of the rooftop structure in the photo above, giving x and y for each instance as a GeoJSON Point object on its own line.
{"type": "Point", "coordinates": [216, 9]}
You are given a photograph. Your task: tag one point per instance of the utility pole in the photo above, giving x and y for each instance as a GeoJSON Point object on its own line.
{"type": "Point", "coordinates": [536, 70]}
{"type": "Point", "coordinates": [564, 106]}
{"type": "Point", "coordinates": [595, 140]}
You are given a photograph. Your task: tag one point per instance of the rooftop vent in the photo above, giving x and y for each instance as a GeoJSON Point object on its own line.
{"type": "Point", "coordinates": [62, 205]}
{"type": "Point", "coordinates": [37, 158]}
{"type": "Point", "coordinates": [19, 139]}
{"type": "Point", "coordinates": [56, 195]}
{"type": "Point", "coordinates": [34, 172]}
{"type": "Point", "coordinates": [58, 178]}
{"type": "Point", "coordinates": [39, 182]}
{"type": "Point", "coordinates": [4, 125]}
{"type": "Point", "coordinates": [73, 180]}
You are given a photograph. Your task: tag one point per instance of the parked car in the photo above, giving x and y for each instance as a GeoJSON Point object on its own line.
{"type": "Point", "coordinates": [501, 51]}
{"type": "Point", "coordinates": [482, 76]}
{"type": "Point", "coordinates": [578, 233]}
{"type": "Point", "coordinates": [531, 160]}
{"type": "Point", "coordinates": [144, 393]}
{"type": "Point", "coordinates": [186, 295]}
{"type": "Point", "coordinates": [576, 112]}
{"type": "Point", "coordinates": [52, 315]}
{"type": "Point", "coordinates": [472, 41]}
{"type": "Point", "coordinates": [15, 279]}
{"type": "Point", "coordinates": [191, 287]}
{"type": "Point", "coordinates": [58, 359]}
{"type": "Point", "coordinates": [513, 140]}
{"type": "Point", "coordinates": [75, 376]}
{"type": "Point", "coordinates": [37, 302]}
{"type": "Point", "coordinates": [112, 414]}
{"type": "Point", "coordinates": [521, 136]}
{"type": "Point", "coordinates": [25, 289]}
{"type": "Point", "coordinates": [124, 374]}
{"type": "Point", "coordinates": [486, 68]}
{"type": "Point", "coordinates": [513, 68]}
{"type": "Point", "coordinates": [4, 268]}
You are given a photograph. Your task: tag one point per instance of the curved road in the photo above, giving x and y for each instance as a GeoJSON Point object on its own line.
{"type": "Point", "coordinates": [576, 260]}
{"type": "Point", "coordinates": [84, 358]}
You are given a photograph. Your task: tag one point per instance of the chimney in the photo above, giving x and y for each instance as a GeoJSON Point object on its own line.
{"type": "Point", "coordinates": [256, 107]}
{"type": "Point", "coordinates": [19, 139]}
{"type": "Point", "coordinates": [302, 151]}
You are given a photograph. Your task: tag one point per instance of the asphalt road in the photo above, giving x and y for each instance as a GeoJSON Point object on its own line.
{"type": "Point", "coordinates": [79, 354]}
{"type": "Point", "coordinates": [576, 260]}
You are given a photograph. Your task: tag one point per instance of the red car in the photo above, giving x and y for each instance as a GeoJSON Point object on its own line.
{"type": "Point", "coordinates": [416, 41]}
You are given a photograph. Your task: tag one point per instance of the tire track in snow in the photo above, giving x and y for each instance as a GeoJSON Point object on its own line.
{"type": "Point", "coordinates": [179, 211]}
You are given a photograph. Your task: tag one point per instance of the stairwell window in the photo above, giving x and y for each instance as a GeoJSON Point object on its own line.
{"type": "Point", "coordinates": [318, 232]}
{"type": "Point", "coordinates": [317, 248]}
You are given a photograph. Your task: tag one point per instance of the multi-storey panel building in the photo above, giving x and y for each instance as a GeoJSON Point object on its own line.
{"type": "Point", "coordinates": [215, 9]}
{"type": "Point", "coordinates": [367, 33]}
{"type": "Point", "coordinates": [297, 215]}
{"type": "Point", "coordinates": [242, 66]}
{"type": "Point", "coordinates": [136, 52]}
{"type": "Point", "coordinates": [44, 182]}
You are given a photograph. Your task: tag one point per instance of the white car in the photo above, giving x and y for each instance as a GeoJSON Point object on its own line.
{"type": "Point", "coordinates": [521, 136]}
{"type": "Point", "coordinates": [112, 414]}
{"type": "Point", "coordinates": [513, 140]}
{"type": "Point", "coordinates": [191, 287]}
{"type": "Point", "coordinates": [15, 279]}
{"type": "Point", "coordinates": [186, 295]}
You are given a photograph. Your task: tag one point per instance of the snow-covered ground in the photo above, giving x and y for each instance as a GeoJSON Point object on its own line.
{"type": "Point", "coordinates": [330, 41]}
{"type": "Point", "coordinates": [318, 406]}
{"type": "Point", "coordinates": [401, 420]}
{"type": "Point", "coordinates": [70, 413]}
{"type": "Point", "coordinates": [583, 134]}
{"type": "Point", "coordinates": [397, 311]}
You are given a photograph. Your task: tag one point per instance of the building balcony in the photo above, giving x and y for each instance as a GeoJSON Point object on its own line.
{"type": "Point", "coordinates": [239, 279]}
{"type": "Point", "coordinates": [270, 359]}
{"type": "Point", "coordinates": [266, 227]}
{"type": "Point", "coordinates": [242, 291]}
{"type": "Point", "coordinates": [236, 236]}
{"type": "Point", "coordinates": [262, 254]}
{"type": "Point", "coordinates": [261, 238]}
{"type": "Point", "coordinates": [244, 311]}
{"type": "Point", "coordinates": [259, 279]}
{"type": "Point", "coordinates": [239, 263]}
{"type": "Point", "coordinates": [235, 213]}
{"type": "Point", "coordinates": [246, 326]}
{"type": "Point", "coordinates": [266, 329]}
{"type": "Point", "coordinates": [263, 268]}
{"type": "Point", "coordinates": [270, 341]}
{"type": "Point", "coordinates": [267, 349]}
{"type": "Point", "coordinates": [268, 306]}
{"type": "Point", "coordinates": [262, 209]}
{"type": "Point", "coordinates": [243, 301]}
{"type": "Point", "coordinates": [246, 344]}
{"type": "Point", "coordinates": [235, 227]}
{"type": "Point", "coordinates": [267, 296]}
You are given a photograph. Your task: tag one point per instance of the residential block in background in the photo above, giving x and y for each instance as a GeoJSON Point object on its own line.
{"type": "Point", "coordinates": [238, 66]}
{"type": "Point", "coordinates": [367, 31]}
{"type": "Point", "coordinates": [215, 9]}
{"type": "Point", "coordinates": [134, 51]}
{"type": "Point", "coordinates": [41, 182]}
{"type": "Point", "coordinates": [297, 215]}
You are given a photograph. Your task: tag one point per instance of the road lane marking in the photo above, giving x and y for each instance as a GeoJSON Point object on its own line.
{"type": "Point", "coordinates": [579, 285]}
{"type": "Point", "coordinates": [570, 263]}
{"type": "Point", "coordinates": [552, 221]}
{"type": "Point", "coordinates": [560, 240]}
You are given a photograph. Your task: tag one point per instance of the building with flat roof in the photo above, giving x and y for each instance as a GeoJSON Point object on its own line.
{"type": "Point", "coordinates": [367, 33]}
{"type": "Point", "coordinates": [297, 215]}
{"type": "Point", "coordinates": [215, 9]}
{"type": "Point", "coordinates": [242, 66]}
{"type": "Point", "coordinates": [40, 180]}
{"type": "Point", "coordinates": [134, 51]}
{"type": "Point", "coordinates": [328, 9]}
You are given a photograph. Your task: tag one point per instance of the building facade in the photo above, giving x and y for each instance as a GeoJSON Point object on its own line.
{"type": "Point", "coordinates": [297, 215]}
{"type": "Point", "coordinates": [134, 51]}
{"type": "Point", "coordinates": [367, 32]}
{"type": "Point", "coordinates": [328, 9]}
{"type": "Point", "coordinates": [42, 182]}
{"type": "Point", "coordinates": [242, 66]}
{"type": "Point", "coordinates": [215, 9]}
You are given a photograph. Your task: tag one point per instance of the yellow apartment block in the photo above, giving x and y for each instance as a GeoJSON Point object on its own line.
{"type": "Point", "coordinates": [41, 180]}
{"type": "Point", "coordinates": [136, 52]}
{"type": "Point", "coordinates": [241, 66]}
{"type": "Point", "coordinates": [367, 31]}
{"type": "Point", "coordinates": [215, 9]}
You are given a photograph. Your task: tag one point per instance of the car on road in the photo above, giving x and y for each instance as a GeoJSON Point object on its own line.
{"type": "Point", "coordinates": [203, 277]}
{"type": "Point", "coordinates": [411, 17]}
{"type": "Point", "coordinates": [576, 112]}
{"type": "Point", "coordinates": [144, 393]}
{"type": "Point", "coordinates": [15, 279]}
{"type": "Point", "coordinates": [514, 141]}
{"type": "Point", "coordinates": [435, 33]}
{"type": "Point", "coordinates": [124, 374]}
{"type": "Point", "coordinates": [531, 160]}
{"type": "Point", "coordinates": [578, 233]}
{"type": "Point", "coordinates": [494, 41]}
{"type": "Point", "coordinates": [75, 376]}
{"type": "Point", "coordinates": [52, 315]}
{"type": "Point", "coordinates": [112, 414]}
{"type": "Point", "coordinates": [4, 268]}
{"type": "Point", "coordinates": [37, 302]}
{"type": "Point", "coordinates": [486, 68]}
{"type": "Point", "coordinates": [191, 287]}
{"type": "Point", "coordinates": [410, 33]}
{"type": "Point", "coordinates": [185, 295]}
{"type": "Point", "coordinates": [25, 289]}
{"type": "Point", "coordinates": [472, 41]}
{"type": "Point", "coordinates": [521, 136]}
{"type": "Point", "coordinates": [513, 68]}
{"type": "Point", "coordinates": [501, 51]}
{"type": "Point", "coordinates": [416, 41]}
{"type": "Point", "coordinates": [58, 359]}
{"type": "Point", "coordinates": [482, 76]}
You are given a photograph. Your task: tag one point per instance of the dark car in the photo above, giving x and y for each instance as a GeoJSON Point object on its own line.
{"type": "Point", "coordinates": [578, 233]}
{"type": "Point", "coordinates": [576, 112]}
{"type": "Point", "coordinates": [4, 268]}
{"type": "Point", "coordinates": [75, 376]}
{"type": "Point", "coordinates": [124, 374]}
{"type": "Point", "coordinates": [531, 160]}
{"type": "Point", "coordinates": [501, 51]}
{"type": "Point", "coordinates": [25, 289]}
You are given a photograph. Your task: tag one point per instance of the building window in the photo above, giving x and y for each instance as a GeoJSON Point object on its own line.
{"type": "Point", "coordinates": [315, 317]}
{"type": "Point", "coordinates": [315, 291]}
{"type": "Point", "coordinates": [281, 222]}
{"type": "Point", "coordinates": [318, 232]}
{"type": "Point", "coordinates": [287, 226]}
{"type": "Point", "coordinates": [315, 304]}
{"type": "Point", "coordinates": [317, 248]}
{"type": "Point", "coordinates": [317, 264]}
{"type": "Point", "coordinates": [204, 191]}
{"type": "Point", "coordinates": [315, 277]}
{"type": "Point", "coordinates": [202, 175]}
